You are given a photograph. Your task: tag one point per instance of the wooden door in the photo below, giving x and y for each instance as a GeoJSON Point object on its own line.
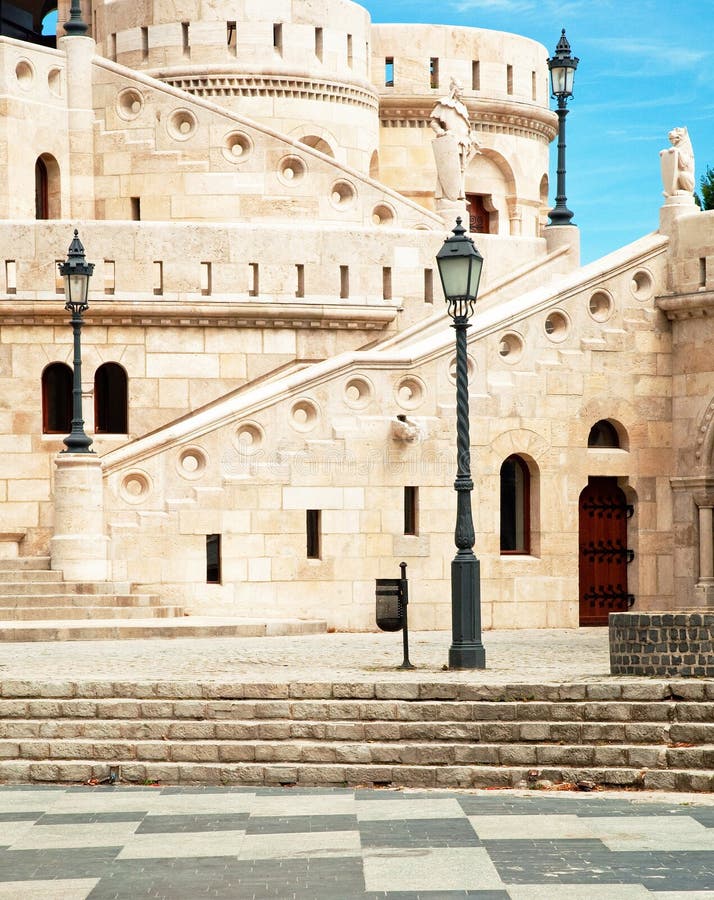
{"type": "Point", "coordinates": [479, 220]}
{"type": "Point", "coordinates": [603, 553]}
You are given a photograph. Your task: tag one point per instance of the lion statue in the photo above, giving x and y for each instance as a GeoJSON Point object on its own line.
{"type": "Point", "coordinates": [677, 164]}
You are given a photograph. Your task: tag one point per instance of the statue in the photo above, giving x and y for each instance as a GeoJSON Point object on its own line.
{"type": "Point", "coordinates": [677, 164]}
{"type": "Point", "coordinates": [453, 145]}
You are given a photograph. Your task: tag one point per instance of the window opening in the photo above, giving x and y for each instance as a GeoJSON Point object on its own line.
{"type": "Point", "coordinates": [603, 434]}
{"type": "Point", "coordinates": [515, 506]}
{"type": "Point", "coordinates": [57, 399]}
{"type": "Point", "coordinates": [110, 399]}
{"type": "Point", "coordinates": [213, 559]}
{"type": "Point", "coordinates": [312, 524]}
{"type": "Point", "coordinates": [434, 72]}
{"type": "Point", "coordinates": [411, 510]}
{"type": "Point", "coordinates": [389, 71]}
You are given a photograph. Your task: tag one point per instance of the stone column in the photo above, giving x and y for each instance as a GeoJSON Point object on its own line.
{"type": "Point", "coordinates": [79, 51]}
{"type": "Point", "coordinates": [79, 547]}
{"type": "Point", "coordinates": [704, 588]}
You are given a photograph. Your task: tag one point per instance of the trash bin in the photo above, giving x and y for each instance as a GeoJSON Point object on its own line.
{"type": "Point", "coordinates": [390, 606]}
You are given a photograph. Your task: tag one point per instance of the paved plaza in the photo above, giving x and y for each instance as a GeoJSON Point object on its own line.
{"type": "Point", "coordinates": [102, 843]}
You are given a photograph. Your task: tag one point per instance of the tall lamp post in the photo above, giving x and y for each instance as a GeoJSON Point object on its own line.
{"type": "Point", "coordinates": [562, 68]}
{"type": "Point", "coordinates": [76, 272]}
{"type": "Point", "coordinates": [76, 24]}
{"type": "Point", "coordinates": [460, 266]}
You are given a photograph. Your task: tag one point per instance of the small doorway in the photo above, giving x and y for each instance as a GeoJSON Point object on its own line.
{"type": "Point", "coordinates": [479, 216]}
{"type": "Point", "coordinates": [603, 553]}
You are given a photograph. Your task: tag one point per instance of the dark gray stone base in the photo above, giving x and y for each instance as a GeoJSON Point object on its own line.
{"type": "Point", "coordinates": [677, 643]}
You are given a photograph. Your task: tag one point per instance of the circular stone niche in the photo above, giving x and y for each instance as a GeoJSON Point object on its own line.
{"type": "Point", "coordinates": [600, 306]}
{"type": "Point", "coordinates": [304, 415]}
{"type": "Point", "coordinates": [358, 392]}
{"type": "Point", "coordinates": [25, 74]}
{"type": "Point", "coordinates": [470, 368]}
{"type": "Point", "coordinates": [557, 326]}
{"type": "Point", "coordinates": [182, 124]}
{"type": "Point", "coordinates": [192, 463]}
{"type": "Point", "coordinates": [237, 147]}
{"type": "Point", "coordinates": [510, 347]}
{"type": "Point", "coordinates": [642, 285]}
{"type": "Point", "coordinates": [129, 103]}
{"type": "Point", "coordinates": [135, 487]}
{"type": "Point", "coordinates": [342, 194]}
{"type": "Point", "coordinates": [410, 392]}
{"type": "Point", "coordinates": [292, 169]}
{"type": "Point", "coordinates": [382, 214]}
{"type": "Point", "coordinates": [249, 438]}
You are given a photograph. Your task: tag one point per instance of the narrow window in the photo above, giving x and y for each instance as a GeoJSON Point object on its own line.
{"type": "Point", "coordinates": [428, 285]}
{"type": "Point", "coordinates": [144, 43]}
{"type": "Point", "coordinates": [57, 399]}
{"type": "Point", "coordinates": [110, 399]}
{"type": "Point", "coordinates": [344, 282]}
{"type": "Point", "coordinates": [213, 559]}
{"type": "Point", "coordinates": [509, 79]}
{"type": "Point", "coordinates": [206, 279]}
{"type": "Point", "coordinates": [10, 276]}
{"type": "Point", "coordinates": [604, 434]}
{"type": "Point", "coordinates": [389, 71]}
{"type": "Point", "coordinates": [515, 506]}
{"type": "Point", "coordinates": [318, 43]}
{"type": "Point", "coordinates": [349, 50]}
{"type": "Point", "coordinates": [386, 283]}
{"type": "Point", "coordinates": [158, 278]}
{"type": "Point", "coordinates": [185, 46]}
{"type": "Point", "coordinates": [434, 72]}
{"type": "Point", "coordinates": [41, 190]}
{"type": "Point", "coordinates": [300, 272]}
{"type": "Point", "coordinates": [475, 75]}
{"type": "Point", "coordinates": [231, 37]}
{"type": "Point", "coordinates": [112, 47]}
{"type": "Point", "coordinates": [534, 84]}
{"type": "Point", "coordinates": [254, 290]}
{"type": "Point", "coordinates": [312, 525]}
{"type": "Point", "coordinates": [136, 208]}
{"type": "Point", "coordinates": [109, 276]}
{"type": "Point", "coordinates": [59, 280]}
{"type": "Point", "coordinates": [411, 510]}
{"type": "Point", "coordinates": [702, 272]}
{"type": "Point", "coordinates": [278, 37]}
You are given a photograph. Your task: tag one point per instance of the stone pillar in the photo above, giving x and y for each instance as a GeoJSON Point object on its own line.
{"type": "Point", "coordinates": [557, 236]}
{"type": "Point", "coordinates": [79, 51]}
{"type": "Point", "coordinates": [704, 588]}
{"type": "Point", "coordinates": [79, 547]}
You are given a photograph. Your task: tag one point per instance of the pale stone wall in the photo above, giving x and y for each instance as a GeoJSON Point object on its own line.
{"type": "Point", "coordinates": [509, 114]}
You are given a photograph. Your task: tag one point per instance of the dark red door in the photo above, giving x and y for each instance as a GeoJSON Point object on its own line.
{"type": "Point", "coordinates": [479, 220]}
{"type": "Point", "coordinates": [603, 554]}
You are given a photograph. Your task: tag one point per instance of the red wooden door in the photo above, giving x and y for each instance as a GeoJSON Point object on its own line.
{"type": "Point", "coordinates": [603, 554]}
{"type": "Point", "coordinates": [479, 220]}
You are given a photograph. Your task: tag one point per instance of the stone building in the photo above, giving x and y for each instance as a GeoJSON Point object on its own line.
{"type": "Point", "coordinates": [267, 364]}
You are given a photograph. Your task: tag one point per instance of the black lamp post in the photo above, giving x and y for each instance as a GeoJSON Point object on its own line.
{"type": "Point", "coordinates": [460, 266]}
{"type": "Point", "coordinates": [562, 71]}
{"type": "Point", "coordinates": [76, 24]}
{"type": "Point", "coordinates": [76, 272]}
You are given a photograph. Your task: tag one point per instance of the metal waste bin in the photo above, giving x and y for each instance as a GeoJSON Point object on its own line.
{"type": "Point", "coordinates": [390, 605]}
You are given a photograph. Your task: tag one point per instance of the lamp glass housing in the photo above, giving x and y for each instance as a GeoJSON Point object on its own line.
{"type": "Point", "coordinates": [460, 266]}
{"type": "Point", "coordinates": [76, 286]}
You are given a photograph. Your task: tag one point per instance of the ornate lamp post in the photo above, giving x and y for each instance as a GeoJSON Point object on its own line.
{"type": "Point", "coordinates": [76, 272]}
{"type": "Point", "coordinates": [460, 266]}
{"type": "Point", "coordinates": [562, 71]}
{"type": "Point", "coordinates": [76, 24]}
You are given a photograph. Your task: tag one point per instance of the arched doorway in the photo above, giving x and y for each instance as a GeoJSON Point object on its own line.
{"type": "Point", "coordinates": [603, 555]}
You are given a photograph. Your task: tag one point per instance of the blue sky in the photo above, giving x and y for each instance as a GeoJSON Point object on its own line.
{"type": "Point", "coordinates": [646, 66]}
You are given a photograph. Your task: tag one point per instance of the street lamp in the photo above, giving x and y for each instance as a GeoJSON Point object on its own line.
{"type": "Point", "coordinates": [76, 272]}
{"type": "Point", "coordinates": [562, 68]}
{"type": "Point", "coordinates": [76, 24]}
{"type": "Point", "coordinates": [460, 266]}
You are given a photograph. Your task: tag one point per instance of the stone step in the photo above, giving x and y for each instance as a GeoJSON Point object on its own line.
{"type": "Point", "coordinates": [375, 753]}
{"type": "Point", "coordinates": [24, 576]}
{"type": "Point", "coordinates": [78, 600]}
{"type": "Point", "coordinates": [101, 629]}
{"type": "Point", "coordinates": [31, 563]}
{"type": "Point", "coordinates": [80, 612]}
{"type": "Point", "coordinates": [41, 719]}
{"type": "Point", "coordinates": [532, 716]}
{"type": "Point", "coordinates": [58, 586]}
{"type": "Point", "coordinates": [333, 775]}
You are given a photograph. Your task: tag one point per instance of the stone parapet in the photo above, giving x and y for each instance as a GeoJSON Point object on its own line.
{"type": "Point", "coordinates": [662, 643]}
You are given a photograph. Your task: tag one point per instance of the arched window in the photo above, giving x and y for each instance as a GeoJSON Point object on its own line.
{"type": "Point", "coordinates": [57, 399]}
{"type": "Point", "coordinates": [110, 399]}
{"type": "Point", "coordinates": [604, 434]}
{"type": "Point", "coordinates": [317, 143]}
{"type": "Point", "coordinates": [515, 506]}
{"type": "Point", "coordinates": [47, 187]}
{"type": "Point", "coordinates": [374, 166]}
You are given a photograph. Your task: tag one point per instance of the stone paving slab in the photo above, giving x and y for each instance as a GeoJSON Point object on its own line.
{"type": "Point", "coordinates": [523, 656]}
{"type": "Point", "coordinates": [336, 844]}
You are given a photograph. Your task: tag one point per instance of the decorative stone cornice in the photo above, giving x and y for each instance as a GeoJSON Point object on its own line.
{"type": "Point", "coordinates": [693, 305]}
{"type": "Point", "coordinates": [487, 116]}
{"type": "Point", "coordinates": [212, 314]}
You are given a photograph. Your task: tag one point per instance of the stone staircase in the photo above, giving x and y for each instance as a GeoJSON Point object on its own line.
{"type": "Point", "coordinates": [37, 604]}
{"type": "Point", "coordinates": [640, 735]}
